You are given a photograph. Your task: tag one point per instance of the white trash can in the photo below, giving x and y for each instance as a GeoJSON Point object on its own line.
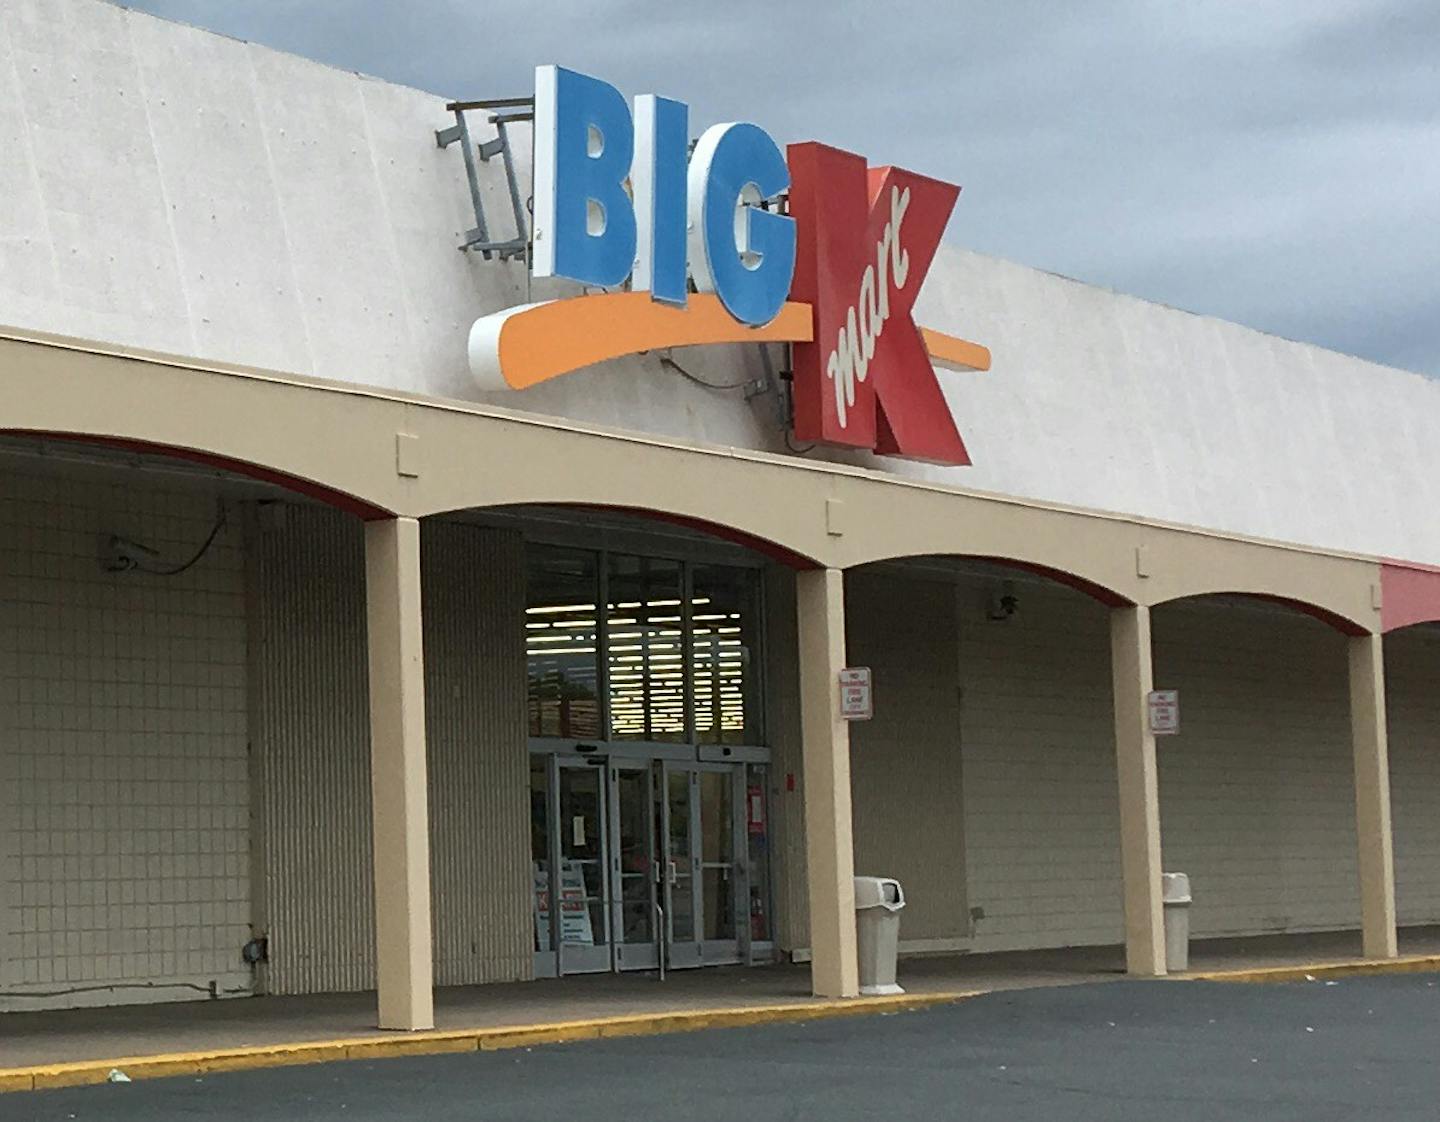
{"type": "Point", "coordinates": [878, 902]}
{"type": "Point", "coordinates": [1175, 895]}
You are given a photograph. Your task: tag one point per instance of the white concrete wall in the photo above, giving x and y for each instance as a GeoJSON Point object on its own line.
{"type": "Point", "coordinates": [124, 800]}
{"type": "Point", "coordinates": [172, 189]}
{"type": "Point", "coordinates": [1107, 401]}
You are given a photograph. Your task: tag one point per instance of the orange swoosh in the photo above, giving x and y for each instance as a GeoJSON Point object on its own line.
{"type": "Point", "coordinates": [524, 346]}
{"type": "Point", "coordinates": [952, 351]}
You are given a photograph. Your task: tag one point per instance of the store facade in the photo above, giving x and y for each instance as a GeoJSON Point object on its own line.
{"type": "Point", "coordinates": [378, 674]}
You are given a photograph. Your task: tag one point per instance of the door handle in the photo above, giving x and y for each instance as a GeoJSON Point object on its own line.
{"type": "Point", "coordinates": [674, 874]}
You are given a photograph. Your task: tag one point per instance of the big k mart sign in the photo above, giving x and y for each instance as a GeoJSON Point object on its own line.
{"type": "Point", "coordinates": [810, 247]}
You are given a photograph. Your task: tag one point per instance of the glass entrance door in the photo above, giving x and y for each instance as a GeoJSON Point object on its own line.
{"type": "Point", "coordinates": [680, 865]}
{"type": "Point", "coordinates": [702, 865]}
{"type": "Point", "coordinates": [722, 866]}
{"type": "Point", "coordinates": [634, 872]}
{"type": "Point", "coordinates": [584, 891]}
{"type": "Point", "coordinates": [652, 858]}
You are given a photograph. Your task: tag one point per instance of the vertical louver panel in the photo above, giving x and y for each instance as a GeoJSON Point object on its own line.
{"type": "Point", "coordinates": [474, 596]}
{"type": "Point", "coordinates": [782, 721]}
{"type": "Point", "coordinates": [311, 752]}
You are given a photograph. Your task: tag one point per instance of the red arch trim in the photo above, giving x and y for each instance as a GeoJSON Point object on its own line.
{"type": "Point", "coordinates": [763, 546]}
{"type": "Point", "coordinates": [1324, 615]}
{"type": "Point", "coordinates": [1338, 622]}
{"type": "Point", "coordinates": [1108, 597]}
{"type": "Point", "coordinates": [1409, 594]}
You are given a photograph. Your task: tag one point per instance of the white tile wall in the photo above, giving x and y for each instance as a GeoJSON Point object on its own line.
{"type": "Point", "coordinates": [1040, 802]}
{"type": "Point", "coordinates": [905, 763]}
{"type": "Point", "coordinates": [123, 786]}
{"type": "Point", "coordinates": [1412, 687]}
{"type": "Point", "coordinates": [1257, 798]}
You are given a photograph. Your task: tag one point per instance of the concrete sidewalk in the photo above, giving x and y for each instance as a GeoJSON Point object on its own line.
{"type": "Point", "coordinates": [69, 1036]}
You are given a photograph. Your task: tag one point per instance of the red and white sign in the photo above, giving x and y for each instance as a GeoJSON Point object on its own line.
{"type": "Point", "coordinates": [1164, 710]}
{"type": "Point", "coordinates": [865, 240]}
{"type": "Point", "coordinates": [857, 702]}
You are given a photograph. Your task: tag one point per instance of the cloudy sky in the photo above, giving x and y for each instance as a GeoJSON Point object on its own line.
{"type": "Point", "coordinates": [1274, 162]}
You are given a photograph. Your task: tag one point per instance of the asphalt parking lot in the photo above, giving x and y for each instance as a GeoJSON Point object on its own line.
{"type": "Point", "coordinates": [1120, 1051]}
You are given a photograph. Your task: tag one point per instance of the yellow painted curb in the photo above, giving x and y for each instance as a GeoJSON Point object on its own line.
{"type": "Point", "coordinates": [462, 1040]}
{"type": "Point", "coordinates": [1410, 964]}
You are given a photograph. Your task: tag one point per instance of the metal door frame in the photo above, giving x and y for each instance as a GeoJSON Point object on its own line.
{"type": "Point", "coordinates": [607, 762]}
{"type": "Point", "coordinates": [547, 963]}
{"type": "Point", "coordinates": [574, 958]}
{"type": "Point", "coordinates": [700, 951]}
{"type": "Point", "coordinates": [680, 956]}
{"type": "Point", "coordinates": [633, 956]}
{"type": "Point", "coordinates": [718, 952]}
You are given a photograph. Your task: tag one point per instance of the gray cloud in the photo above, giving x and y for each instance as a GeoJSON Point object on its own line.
{"type": "Point", "coordinates": [1275, 164]}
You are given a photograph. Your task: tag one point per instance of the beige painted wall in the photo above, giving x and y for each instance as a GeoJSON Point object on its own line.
{"type": "Point", "coordinates": [906, 762]}
{"type": "Point", "coordinates": [312, 752]}
{"type": "Point", "coordinates": [123, 795]}
{"type": "Point", "coordinates": [1412, 672]}
{"type": "Point", "coordinates": [1257, 796]}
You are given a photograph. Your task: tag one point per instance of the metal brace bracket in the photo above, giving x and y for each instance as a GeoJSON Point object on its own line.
{"type": "Point", "coordinates": [478, 238]}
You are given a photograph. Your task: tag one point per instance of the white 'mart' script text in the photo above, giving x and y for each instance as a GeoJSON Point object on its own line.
{"type": "Point", "coordinates": [849, 362]}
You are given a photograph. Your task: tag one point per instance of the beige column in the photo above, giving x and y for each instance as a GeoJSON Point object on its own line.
{"type": "Point", "coordinates": [1130, 668]}
{"type": "Point", "coordinates": [397, 775]}
{"type": "Point", "coordinates": [825, 739]}
{"type": "Point", "coordinates": [1372, 795]}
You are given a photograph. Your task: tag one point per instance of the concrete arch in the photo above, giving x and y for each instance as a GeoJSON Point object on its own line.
{"type": "Point", "coordinates": [383, 453]}
{"type": "Point", "coordinates": [308, 488]}
{"type": "Point", "coordinates": [1341, 591]}
{"type": "Point", "coordinates": [729, 534]}
{"type": "Point", "coordinates": [888, 520]}
{"type": "Point", "coordinates": [492, 461]}
{"type": "Point", "coordinates": [1107, 596]}
{"type": "Point", "coordinates": [309, 437]}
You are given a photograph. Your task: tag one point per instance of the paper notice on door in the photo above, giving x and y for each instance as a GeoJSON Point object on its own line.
{"type": "Point", "coordinates": [575, 929]}
{"type": "Point", "coordinates": [542, 906]}
{"type": "Point", "coordinates": [577, 830]}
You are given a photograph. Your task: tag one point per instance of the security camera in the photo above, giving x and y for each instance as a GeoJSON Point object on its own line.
{"type": "Point", "coordinates": [119, 555]}
{"type": "Point", "coordinates": [1002, 604]}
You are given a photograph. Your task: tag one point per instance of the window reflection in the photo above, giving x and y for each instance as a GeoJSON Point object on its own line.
{"type": "Point", "coordinates": [723, 644]}
{"type": "Point", "coordinates": [561, 644]}
{"type": "Point", "coordinates": [645, 649]}
{"type": "Point", "coordinates": [674, 632]}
